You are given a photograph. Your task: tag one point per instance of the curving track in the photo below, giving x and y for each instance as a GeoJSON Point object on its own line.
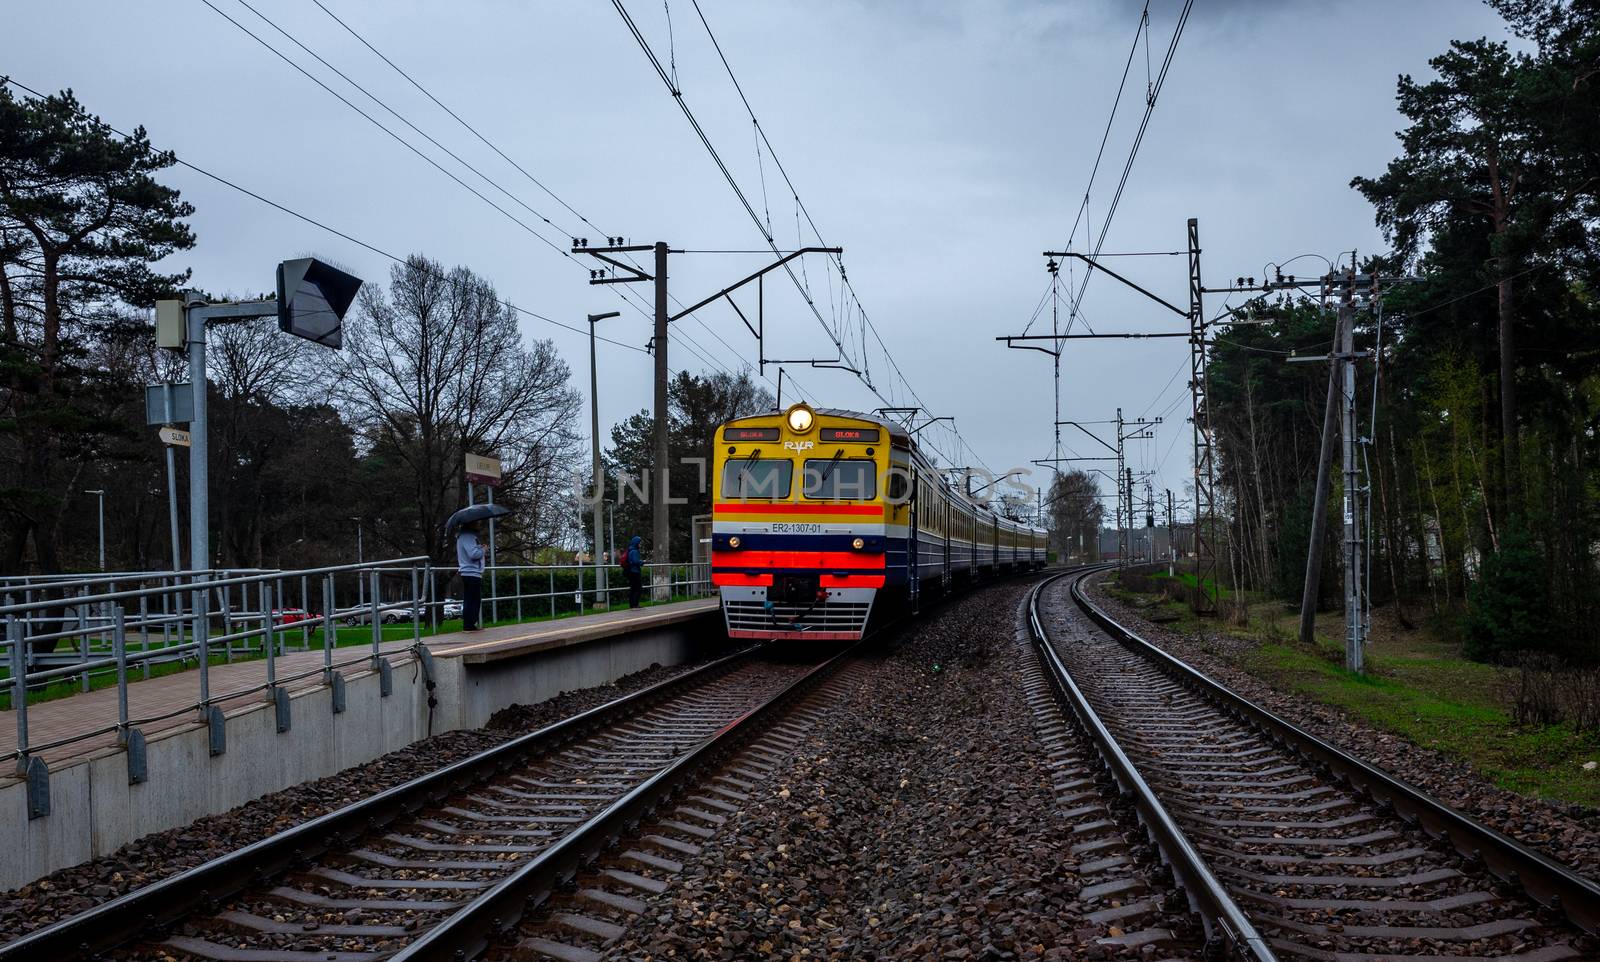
{"type": "Point", "coordinates": [1287, 850]}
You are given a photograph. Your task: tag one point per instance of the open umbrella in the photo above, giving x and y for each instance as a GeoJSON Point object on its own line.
{"type": "Point", "coordinates": [474, 512]}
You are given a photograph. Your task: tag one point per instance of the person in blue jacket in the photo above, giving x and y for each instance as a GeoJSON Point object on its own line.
{"type": "Point", "coordinates": [469, 564]}
{"type": "Point", "coordinates": [633, 567]}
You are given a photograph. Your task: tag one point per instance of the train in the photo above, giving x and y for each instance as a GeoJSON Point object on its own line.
{"type": "Point", "coordinates": [824, 519]}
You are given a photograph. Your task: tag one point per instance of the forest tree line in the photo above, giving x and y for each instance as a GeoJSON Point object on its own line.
{"type": "Point", "coordinates": [311, 449]}
{"type": "Point", "coordinates": [1483, 470]}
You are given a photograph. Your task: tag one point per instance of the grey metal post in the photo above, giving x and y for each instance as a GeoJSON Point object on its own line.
{"type": "Point", "coordinates": [119, 651]}
{"type": "Point", "coordinates": [227, 619]}
{"type": "Point", "coordinates": [494, 592]}
{"type": "Point", "coordinates": [611, 533]}
{"type": "Point", "coordinates": [199, 443]}
{"type": "Point", "coordinates": [377, 622]}
{"type": "Point", "coordinates": [144, 631]}
{"type": "Point", "coordinates": [594, 452]}
{"type": "Point", "coordinates": [552, 592]}
{"type": "Point", "coordinates": [305, 604]}
{"type": "Point", "coordinates": [1353, 654]}
{"type": "Point", "coordinates": [172, 489]}
{"type": "Point", "coordinates": [328, 628]}
{"type": "Point", "coordinates": [517, 581]}
{"type": "Point", "coordinates": [19, 690]}
{"type": "Point", "coordinates": [83, 637]}
{"type": "Point", "coordinates": [433, 599]}
{"type": "Point", "coordinates": [660, 549]}
{"type": "Point", "coordinates": [267, 640]}
{"type": "Point", "coordinates": [100, 494]}
{"type": "Point", "coordinates": [361, 590]}
{"type": "Point", "coordinates": [416, 601]}
{"type": "Point", "coordinates": [202, 604]}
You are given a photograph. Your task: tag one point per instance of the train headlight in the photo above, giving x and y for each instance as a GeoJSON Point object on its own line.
{"type": "Point", "coordinates": [800, 419]}
{"type": "Point", "coordinates": [734, 542]}
{"type": "Point", "coordinates": [858, 544]}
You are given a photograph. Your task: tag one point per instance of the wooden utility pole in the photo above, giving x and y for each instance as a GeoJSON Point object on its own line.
{"type": "Point", "coordinates": [1319, 506]}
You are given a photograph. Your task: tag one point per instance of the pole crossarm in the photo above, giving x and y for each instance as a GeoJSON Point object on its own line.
{"type": "Point", "coordinates": [603, 253]}
{"type": "Point", "coordinates": [763, 271]}
{"type": "Point", "coordinates": [1134, 335]}
{"type": "Point", "coordinates": [1099, 267]}
{"type": "Point", "coordinates": [944, 417]}
{"type": "Point", "coordinates": [1098, 440]}
{"type": "Point", "coordinates": [829, 364]}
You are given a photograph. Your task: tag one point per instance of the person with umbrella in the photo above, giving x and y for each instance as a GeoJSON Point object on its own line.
{"type": "Point", "coordinates": [633, 567]}
{"type": "Point", "coordinates": [469, 557]}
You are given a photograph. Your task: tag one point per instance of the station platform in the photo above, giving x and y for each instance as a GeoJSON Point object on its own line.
{"type": "Point", "coordinates": [93, 801]}
{"type": "Point", "coordinates": [170, 695]}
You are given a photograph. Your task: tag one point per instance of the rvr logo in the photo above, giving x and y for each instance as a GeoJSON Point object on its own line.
{"type": "Point", "coordinates": [799, 445]}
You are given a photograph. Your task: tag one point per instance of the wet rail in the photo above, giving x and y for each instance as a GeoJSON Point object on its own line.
{"type": "Point", "coordinates": [439, 860]}
{"type": "Point", "coordinates": [1291, 848]}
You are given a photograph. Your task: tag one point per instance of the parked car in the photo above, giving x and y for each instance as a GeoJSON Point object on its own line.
{"type": "Point", "coordinates": [289, 616]}
{"type": "Point", "coordinates": [392, 616]}
{"type": "Point", "coordinates": [452, 608]}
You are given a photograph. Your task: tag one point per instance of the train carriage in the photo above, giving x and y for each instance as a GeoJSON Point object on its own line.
{"type": "Point", "coordinates": [822, 517]}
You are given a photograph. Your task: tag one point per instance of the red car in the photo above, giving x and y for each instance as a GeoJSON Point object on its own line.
{"type": "Point", "coordinates": [289, 616]}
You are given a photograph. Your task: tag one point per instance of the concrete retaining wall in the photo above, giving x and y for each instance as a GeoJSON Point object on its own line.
{"type": "Point", "coordinates": [94, 811]}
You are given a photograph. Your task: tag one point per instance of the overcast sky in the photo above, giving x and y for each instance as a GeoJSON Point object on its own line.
{"type": "Point", "coordinates": [942, 145]}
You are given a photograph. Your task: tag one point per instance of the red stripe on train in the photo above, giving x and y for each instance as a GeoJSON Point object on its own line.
{"type": "Point", "coordinates": [799, 559]}
{"type": "Point", "coordinates": [732, 579]}
{"type": "Point", "coordinates": [874, 510]}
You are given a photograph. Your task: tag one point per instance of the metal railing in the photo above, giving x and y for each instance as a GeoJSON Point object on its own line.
{"type": "Point", "coordinates": [80, 631]}
{"type": "Point", "coordinates": [193, 617]}
{"type": "Point", "coordinates": [524, 592]}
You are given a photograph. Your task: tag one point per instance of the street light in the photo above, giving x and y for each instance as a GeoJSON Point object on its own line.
{"type": "Point", "coordinates": [594, 450]}
{"type": "Point", "coordinates": [101, 494]}
{"type": "Point", "coordinates": [361, 583]}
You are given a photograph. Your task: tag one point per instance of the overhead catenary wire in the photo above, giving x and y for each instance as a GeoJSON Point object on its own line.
{"type": "Point", "coordinates": [833, 331]}
{"type": "Point", "coordinates": [305, 218]}
{"type": "Point", "coordinates": [1138, 140]}
{"type": "Point", "coordinates": [632, 299]}
{"type": "Point", "coordinates": [379, 124]}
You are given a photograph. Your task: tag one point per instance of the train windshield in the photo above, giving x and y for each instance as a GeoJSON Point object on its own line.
{"type": "Point", "coordinates": [763, 478]}
{"type": "Point", "coordinates": [855, 479]}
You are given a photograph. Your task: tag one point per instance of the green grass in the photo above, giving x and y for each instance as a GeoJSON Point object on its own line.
{"type": "Point", "coordinates": [292, 639]}
{"type": "Point", "coordinates": [1417, 686]}
{"type": "Point", "coordinates": [1444, 704]}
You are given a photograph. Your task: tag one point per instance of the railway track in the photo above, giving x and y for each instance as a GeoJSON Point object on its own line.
{"type": "Point", "coordinates": [440, 866]}
{"type": "Point", "coordinates": [1286, 846]}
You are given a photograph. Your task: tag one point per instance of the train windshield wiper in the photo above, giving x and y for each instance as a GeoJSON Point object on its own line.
{"type": "Point", "coordinates": [828, 470]}
{"type": "Point", "coordinates": [744, 471]}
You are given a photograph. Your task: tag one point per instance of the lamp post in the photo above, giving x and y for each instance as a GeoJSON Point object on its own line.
{"type": "Point", "coordinates": [361, 582]}
{"type": "Point", "coordinates": [101, 494]}
{"type": "Point", "coordinates": [594, 450]}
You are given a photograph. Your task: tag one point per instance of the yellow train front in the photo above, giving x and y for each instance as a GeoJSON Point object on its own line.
{"type": "Point", "coordinates": [822, 517]}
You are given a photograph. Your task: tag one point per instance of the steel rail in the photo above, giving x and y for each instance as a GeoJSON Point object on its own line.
{"type": "Point", "coordinates": [1543, 878]}
{"type": "Point", "coordinates": [1225, 923]}
{"type": "Point", "coordinates": [162, 903]}
{"type": "Point", "coordinates": [469, 931]}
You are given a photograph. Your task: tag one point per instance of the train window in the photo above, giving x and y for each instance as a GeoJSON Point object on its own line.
{"type": "Point", "coordinates": [841, 479]}
{"type": "Point", "coordinates": [766, 478]}
{"type": "Point", "coordinates": [898, 486]}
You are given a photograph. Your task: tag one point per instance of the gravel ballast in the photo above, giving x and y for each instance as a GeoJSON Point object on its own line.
{"type": "Point", "coordinates": [1566, 832]}
{"type": "Point", "coordinates": [163, 854]}
{"type": "Point", "coordinates": [917, 819]}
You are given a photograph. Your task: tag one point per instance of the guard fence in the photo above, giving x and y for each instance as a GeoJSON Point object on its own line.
{"type": "Point", "coordinates": [104, 630]}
